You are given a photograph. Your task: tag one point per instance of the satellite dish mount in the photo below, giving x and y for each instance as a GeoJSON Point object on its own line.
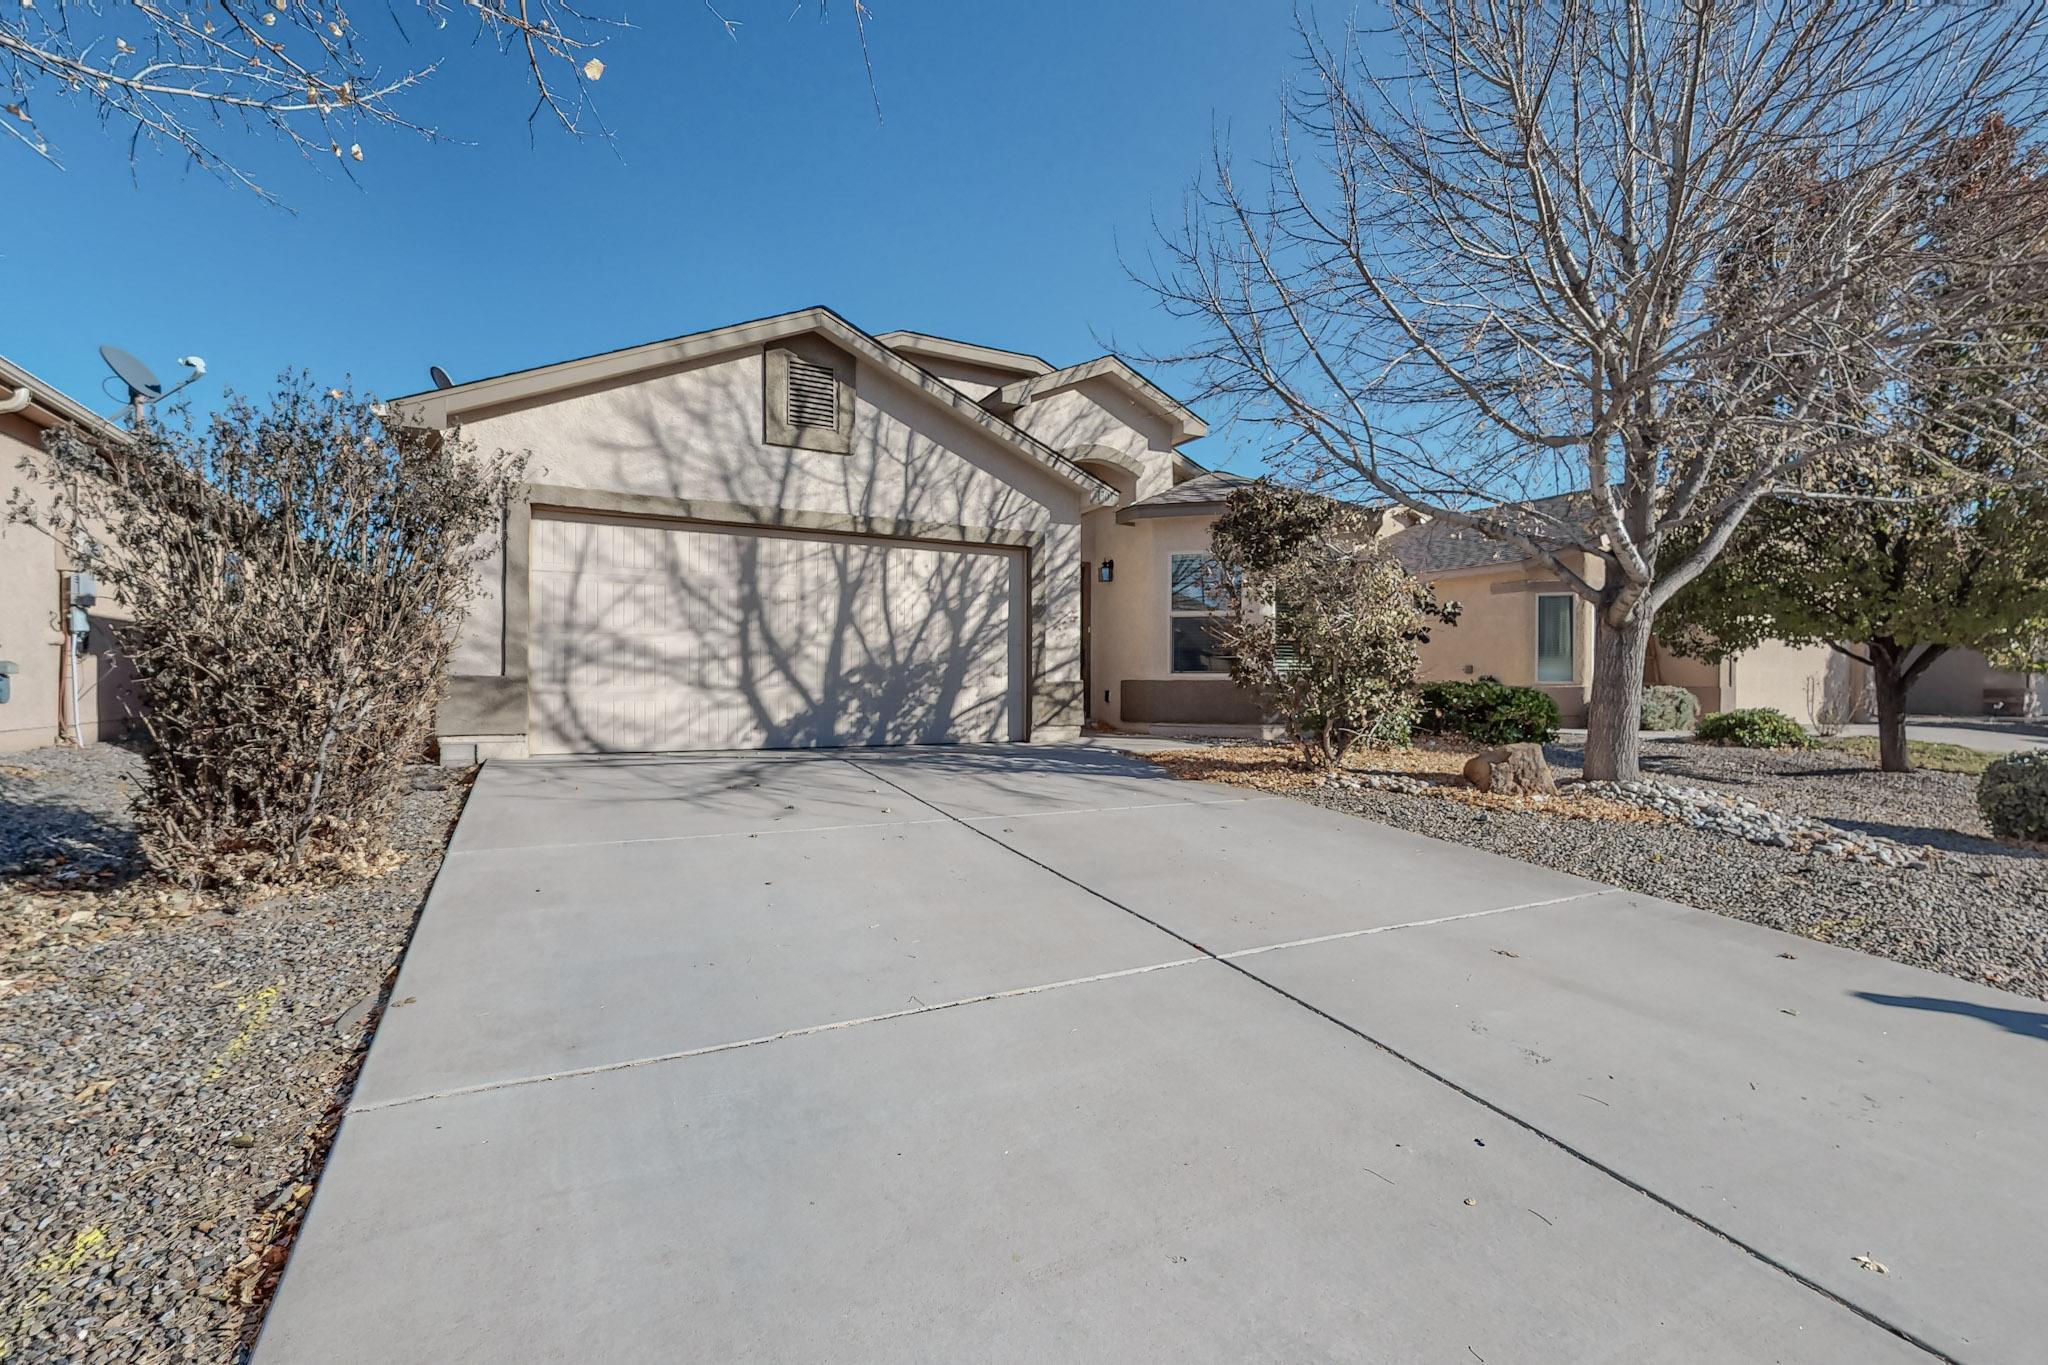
{"type": "Point", "coordinates": [143, 386]}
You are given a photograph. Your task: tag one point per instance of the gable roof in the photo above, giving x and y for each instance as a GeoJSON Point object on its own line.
{"type": "Point", "coordinates": [1187, 426]}
{"type": "Point", "coordinates": [1202, 496]}
{"type": "Point", "coordinates": [1436, 547]}
{"type": "Point", "coordinates": [967, 352]}
{"type": "Point", "coordinates": [447, 407]}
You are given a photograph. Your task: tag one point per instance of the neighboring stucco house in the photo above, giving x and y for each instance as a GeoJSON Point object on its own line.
{"type": "Point", "coordinates": [51, 678]}
{"type": "Point", "coordinates": [792, 533]}
{"type": "Point", "coordinates": [1522, 625]}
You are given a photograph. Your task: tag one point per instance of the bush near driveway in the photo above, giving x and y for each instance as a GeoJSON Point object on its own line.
{"type": "Point", "coordinates": [1489, 712]}
{"type": "Point", "coordinates": [1669, 708]}
{"type": "Point", "coordinates": [1755, 727]}
{"type": "Point", "coordinates": [1317, 621]}
{"type": "Point", "coordinates": [296, 573]}
{"type": "Point", "coordinates": [2013, 794]}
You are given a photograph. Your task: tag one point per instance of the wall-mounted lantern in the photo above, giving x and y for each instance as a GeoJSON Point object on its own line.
{"type": "Point", "coordinates": [1107, 573]}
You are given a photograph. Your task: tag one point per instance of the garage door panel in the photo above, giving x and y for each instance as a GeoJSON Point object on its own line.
{"type": "Point", "coordinates": [651, 637]}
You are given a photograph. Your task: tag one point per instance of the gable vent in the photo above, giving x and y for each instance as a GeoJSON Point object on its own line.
{"type": "Point", "coordinates": [813, 394]}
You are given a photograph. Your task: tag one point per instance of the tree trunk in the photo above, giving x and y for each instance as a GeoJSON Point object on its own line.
{"type": "Point", "coordinates": [1888, 681]}
{"type": "Point", "coordinates": [1614, 742]}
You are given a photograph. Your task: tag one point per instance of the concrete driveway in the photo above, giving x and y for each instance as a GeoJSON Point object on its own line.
{"type": "Point", "coordinates": [1038, 1055]}
{"type": "Point", "coordinates": [1998, 735]}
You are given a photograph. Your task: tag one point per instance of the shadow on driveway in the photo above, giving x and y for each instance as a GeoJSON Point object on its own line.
{"type": "Point", "coordinates": [2026, 1023]}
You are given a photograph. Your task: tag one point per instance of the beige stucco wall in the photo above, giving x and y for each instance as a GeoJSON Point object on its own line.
{"type": "Point", "coordinates": [1708, 682]}
{"type": "Point", "coordinates": [32, 569]}
{"type": "Point", "coordinates": [1130, 631]}
{"type": "Point", "coordinates": [1784, 677]}
{"type": "Point", "coordinates": [1962, 682]}
{"type": "Point", "coordinates": [1099, 413]}
{"type": "Point", "coordinates": [1496, 634]}
{"type": "Point", "coordinates": [695, 434]}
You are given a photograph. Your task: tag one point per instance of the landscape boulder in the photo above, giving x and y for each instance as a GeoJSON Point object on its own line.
{"type": "Point", "coordinates": [1515, 770]}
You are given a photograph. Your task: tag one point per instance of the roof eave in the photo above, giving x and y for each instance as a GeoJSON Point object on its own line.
{"type": "Point", "coordinates": [1139, 511]}
{"type": "Point", "coordinates": [967, 352]}
{"type": "Point", "coordinates": [50, 406]}
{"type": "Point", "coordinates": [1187, 426]}
{"type": "Point", "coordinates": [441, 408]}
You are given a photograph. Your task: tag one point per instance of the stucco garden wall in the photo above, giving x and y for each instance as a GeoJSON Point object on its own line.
{"type": "Point", "coordinates": [1783, 677]}
{"type": "Point", "coordinates": [1962, 682]}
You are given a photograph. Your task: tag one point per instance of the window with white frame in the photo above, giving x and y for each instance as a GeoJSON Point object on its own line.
{"type": "Point", "coordinates": [1196, 601]}
{"type": "Point", "coordinates": [1554, 637]}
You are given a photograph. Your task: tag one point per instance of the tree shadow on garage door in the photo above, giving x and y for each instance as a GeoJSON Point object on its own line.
{"type": "Point", "coordinates": [652, 635]}
{"type": "Point", "coordinates": [657, 637]}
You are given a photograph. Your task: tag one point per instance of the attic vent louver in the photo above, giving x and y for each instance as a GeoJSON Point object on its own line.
{"type": "Point", "coordinates": [813, 394]}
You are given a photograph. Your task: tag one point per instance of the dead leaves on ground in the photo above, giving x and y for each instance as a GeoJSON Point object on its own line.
{"type": "Point", "coordinates": [1279, 770]}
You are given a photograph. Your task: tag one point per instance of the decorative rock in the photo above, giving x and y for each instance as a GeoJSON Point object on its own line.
{"type": "Point", "coordinates": [1720, 813]}
{"type": "Point", "coordinates": [1517, 770]}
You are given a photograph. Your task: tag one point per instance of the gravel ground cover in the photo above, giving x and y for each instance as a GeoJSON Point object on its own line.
{"type": "Point", "coordinates": [173, 1068]}
{"type": "Point", "coordinates": [1978, 909]}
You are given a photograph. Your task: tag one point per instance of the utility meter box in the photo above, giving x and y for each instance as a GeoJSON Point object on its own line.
{"type": "Point", "coordinates": [85, 590]}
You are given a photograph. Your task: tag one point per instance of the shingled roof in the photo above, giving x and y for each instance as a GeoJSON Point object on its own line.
{"type": "Point", "coordinates": [1202, 495]}
{"type": "Point", "coordinates": [1435, 547]}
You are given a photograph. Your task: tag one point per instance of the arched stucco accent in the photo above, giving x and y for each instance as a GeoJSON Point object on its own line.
{"type": "Point", "coordinates": [1106, 455]}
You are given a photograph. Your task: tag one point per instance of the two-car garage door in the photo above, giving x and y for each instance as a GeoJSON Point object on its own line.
{"type": "Point", "coordinates": [652, 636]}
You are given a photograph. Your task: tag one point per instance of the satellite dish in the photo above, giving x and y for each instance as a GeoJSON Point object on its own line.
{"type": "Point", "coordinates": [143, 385]}
{"type": "Point", "coordinates": [440, 377]}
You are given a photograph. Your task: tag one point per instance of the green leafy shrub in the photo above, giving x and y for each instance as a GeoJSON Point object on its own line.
{"type": "Point", "coordinates": [1754, 727]}
{"type": "Point", "coordinates": [1490, 712]}
{"type": "Point", "coordinates": [1669, 708]}
{"type": "Point", "coordinates": [2013, 794]}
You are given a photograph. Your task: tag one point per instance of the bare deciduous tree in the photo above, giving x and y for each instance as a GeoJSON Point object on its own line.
{"type": "Point", "coordinates": [1485, 265]}
{"type": "Point", "coordinates": [183, 74]}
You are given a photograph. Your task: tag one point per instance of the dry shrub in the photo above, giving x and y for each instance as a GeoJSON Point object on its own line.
{"type": "Point", "coordinates": [1317, 621]}
{"type": "Point", "coordinates": [296, 573]}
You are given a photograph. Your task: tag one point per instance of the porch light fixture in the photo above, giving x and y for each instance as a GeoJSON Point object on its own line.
{"type": "Point", "coordinates": [1107, 573]}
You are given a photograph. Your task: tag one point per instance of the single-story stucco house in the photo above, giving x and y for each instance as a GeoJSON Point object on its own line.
{"type": "Point", "coordinates": [59, 688]}
{"type": "Point", "coordinates": [792, 533]}
{"type": "Point", "coordinates": [1522, 625]}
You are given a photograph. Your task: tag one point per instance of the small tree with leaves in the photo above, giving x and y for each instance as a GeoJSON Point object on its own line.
{"type": "Point", "coordinates": [1885, 571]}
{"type": "Point", "coordinates": [1318, 621]}
{"type": "Point", "coordinates": [296, 572]}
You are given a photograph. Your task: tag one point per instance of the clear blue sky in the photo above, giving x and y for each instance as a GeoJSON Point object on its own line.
{"type": "Point", "coordinates": [1019, 145]}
